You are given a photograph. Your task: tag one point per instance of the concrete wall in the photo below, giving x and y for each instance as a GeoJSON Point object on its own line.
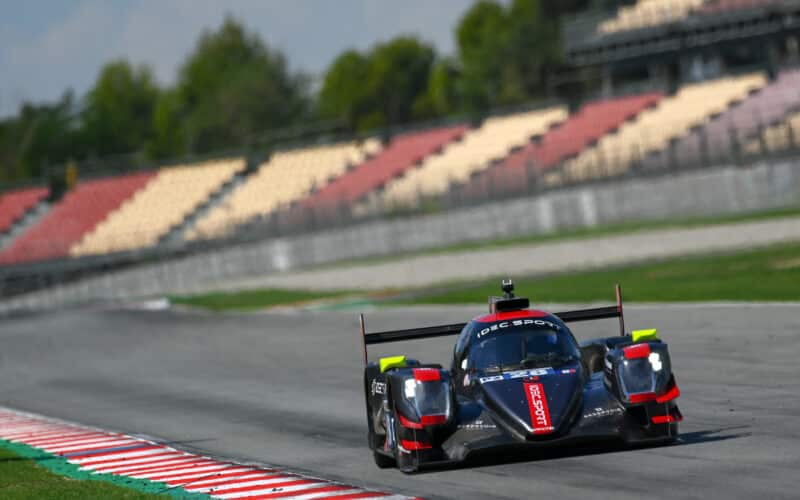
{"type": "Point", "coordinates": [724, 190]}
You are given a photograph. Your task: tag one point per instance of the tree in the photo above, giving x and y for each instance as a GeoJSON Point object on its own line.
{"type": "Point", "coordinates": [506, 53]}
{"type": "Point", "coordinates": [343, 94]}
{"type": "Point", "coordinates": [386, 86]}
{"type": "Point", "coordinates": [229, 89]}
{"type": "Point", "coordinates": [442, 95]}
{"type": "Point", "coordinates": [482, 37]}
{"type": "Point", "coordinates": [39, 135]}
{"type": "Point", "coordinates": [118, 111]}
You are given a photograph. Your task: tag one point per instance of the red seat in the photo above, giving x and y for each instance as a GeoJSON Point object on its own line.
{"type": "Point", "coordinates": [14, 204]}
{"type": "Point", "coordinates": [402, 153]}
{"type": "Point", "coordinates": [76, 214]}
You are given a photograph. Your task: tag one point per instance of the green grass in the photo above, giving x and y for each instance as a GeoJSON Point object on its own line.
{"type": "Point", "coordinates": [23, 478]}
{"type": "Point", "coordinates": [253, 299]}
{"type": "Point", "coordinates": [771, 273]}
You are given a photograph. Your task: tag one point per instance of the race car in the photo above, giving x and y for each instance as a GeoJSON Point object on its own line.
{"type": "Point", "coordinates": [518, 380]}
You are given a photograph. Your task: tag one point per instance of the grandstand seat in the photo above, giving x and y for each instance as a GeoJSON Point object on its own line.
{"type": "Point", "coordinates": [287, 177]}
{"type": "Point", "coordinates": [403, 152]}
{"type": "Point", "coordinates": [720, 139]}
{"type": "Point", "coordinates": [654, 129]}
{"type": "Point", "coordinates": [72, 217]}
{"type": "Point", "coordinates": [496, 137]}
{"type": "Point", "coordinates": [645, 13]}
{"type": "Point", "coordinates": [14, 204]}
{"type": "Point", "coordinates": [715, 7]}
{"type": "Point", "coordinates": [777, 138]}
{"type": "Point", "coordinates": [579, 131]}
{"type": "Point", "coordinates": [171, 196]}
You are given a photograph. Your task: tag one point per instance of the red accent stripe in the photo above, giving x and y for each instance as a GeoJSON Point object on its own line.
{"type": "Point", "coordinates": [506, 315]}
{"type": "Point", "coordinates": [150, 469]}
{"type": "Point", "coordinates": [211, 481]}
{"type": "Point", "coordinates": [96, 446]}
{"type": "Point", "coordinates": [433, 419]}
{"type": "Point", "coordinates": [185, 471]}
{"type": "Point", "coordinates": [63, 439]}
{"type": "Point", "coordinates": [354, 496]}
{"type": "Point", "coordinates": [414, 445]}
{"type": "Point", "coordinates": [92, 463]}
{"type": "Point", "coordinates": [117, 452]}
{"type": "Point", "coordinates": [242, 489]}
{"type": "Point", "coordinates": [408, 423]}
{"type": "Point", "coordinates": [642, 397]}
{"type": "Point", "coordinates": [425, 420]}
{"type": "Point", "coordinates": [671, 394]}
{"type": "Point", "coordinates": [309, 491]}
{"type": "Point", "coordinates": [537, 405]}
{"type": "Point", "coordinates": [158, 461]}
{"type": "Point", "coordinates": [636, 351]}
{"type": "Point", "coordinates": [665, 419]}
{"type": "Point", "coordinates": [427, 375]}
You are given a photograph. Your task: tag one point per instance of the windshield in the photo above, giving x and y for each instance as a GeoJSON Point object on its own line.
{"type": "Point", "coordinates": [523, 347]}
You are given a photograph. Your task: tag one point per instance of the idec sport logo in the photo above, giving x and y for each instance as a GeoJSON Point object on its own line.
{"type": "Point", "coordinates": [537, 404]}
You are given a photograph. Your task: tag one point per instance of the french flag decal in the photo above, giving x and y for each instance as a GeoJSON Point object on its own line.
{"type": "Point", "coordinates": [537, 404]}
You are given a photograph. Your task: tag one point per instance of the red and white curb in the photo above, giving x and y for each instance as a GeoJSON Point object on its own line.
{"type": "Point", "coordinates": [100, 451]}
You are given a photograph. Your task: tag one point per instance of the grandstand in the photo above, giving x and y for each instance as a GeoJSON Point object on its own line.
{"type": "Point", "coordinates": [521, 168]}
{"type": "Point", "coordinates": [653, 130]}
{"type": "Point", "coordinates": [72, 217]}
{"type": "Point", "coordinates": [720, 140]}
{"type": "Point", "coordinates": [647, 13]}
{"type": "Point", "coordinates": [403, 152]}
{"type": "Point", "coordinates": [493, 140]}
{"type": "Point", "coordinates": [287, 177]}
{"type": "Point", "coordinates": [778, 138]}
{"type": "Point", "coordinates": [742, 105]}
{"type": "Point", "coordinates": [15, 204]}
{"type": "Point", "coordinates": [173, 194]}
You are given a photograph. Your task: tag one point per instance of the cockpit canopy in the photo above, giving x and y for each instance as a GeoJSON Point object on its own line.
{"type": "Point", "coordinates": [521, 344]}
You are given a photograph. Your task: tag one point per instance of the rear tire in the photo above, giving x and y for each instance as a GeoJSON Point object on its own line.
{"type": "Point", "coordinates": [382, 461]}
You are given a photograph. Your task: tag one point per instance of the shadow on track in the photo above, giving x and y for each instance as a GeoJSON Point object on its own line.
{"type": "Point", "coordinates": [488, 459]}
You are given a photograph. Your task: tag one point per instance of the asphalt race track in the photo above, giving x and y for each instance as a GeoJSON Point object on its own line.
{"type": "Point", "coordinates": [285, 389]}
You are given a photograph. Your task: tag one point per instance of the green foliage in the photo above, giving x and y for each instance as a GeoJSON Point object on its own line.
{"type": "Point", "coordinates": [37, 136]}
{"type": "Point", "coordinates": [25, 477]}
{"type": "Point", "coordinates": [118, 113]}
{"type": "Point", "coordinates": [506, 54]}
{"type": "Point", "coordinates": [764, 274]}
{"type": "Point", "coordinates": [386, 86]}
{"type": "Point", "coordinates": [231, 87]}
{"type": "Point", "coordinates": [343, 94]}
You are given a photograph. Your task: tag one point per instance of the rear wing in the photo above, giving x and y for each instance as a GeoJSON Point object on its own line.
{"type": "Point", "coordinates": [455, 328]}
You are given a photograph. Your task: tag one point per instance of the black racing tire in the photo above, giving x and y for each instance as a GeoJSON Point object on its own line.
{"type": "Point", "coordinates": [382, 461]}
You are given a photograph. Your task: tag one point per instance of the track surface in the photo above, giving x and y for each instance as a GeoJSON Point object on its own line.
{"type": "Point", "coordinates": [284, 389]}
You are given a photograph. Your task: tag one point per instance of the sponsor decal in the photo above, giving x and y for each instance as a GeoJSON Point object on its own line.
{"type": "Point", "coordinates": [603, 412]}
{"type": "Point", "coordinates": [537, 404]}
{"type": "Point", "coordinates": [536, 372]}
{"type": "Point", "coordinates": [517, 322]}
{"type": "Point", "coordinates": [477, 425]}
{"type": "Point", "coordinates": [378, 387]}
{"type": "Point", "coordinates": [568, 370]}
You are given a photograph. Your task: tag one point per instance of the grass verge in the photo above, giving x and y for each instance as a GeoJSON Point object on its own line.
{"type": "Point", "coordinates": [253, 299]}
{"type": "Point", "coordinates": [768, 274]}
{"type": "Point", "coordinates": [29, 473]}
